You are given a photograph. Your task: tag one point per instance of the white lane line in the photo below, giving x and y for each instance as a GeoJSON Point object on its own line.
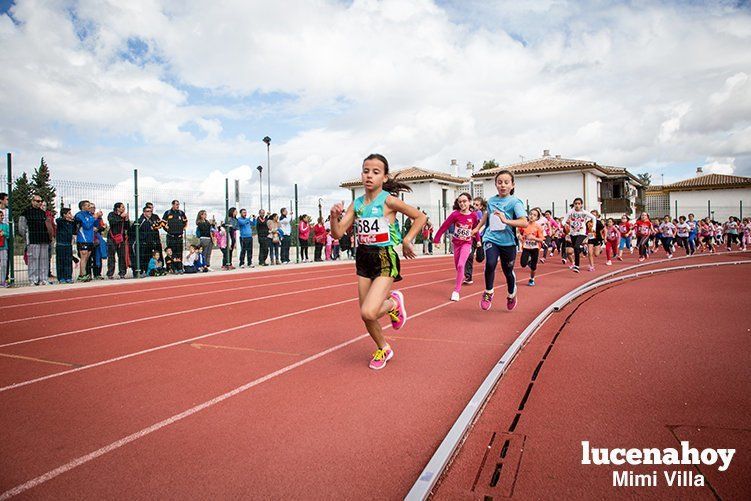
{"type": "Point", "coordinates": [196, 338]}
{"type": "Point", "coordinates": [209, 403]}
{"type": "Point", "coordinates": [190, 310]}
{"type": "Point", "coordinates": [266, 275]}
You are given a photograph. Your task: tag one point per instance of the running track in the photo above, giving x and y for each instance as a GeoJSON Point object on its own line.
{"type": "Point", "coordinates": [243, 385]}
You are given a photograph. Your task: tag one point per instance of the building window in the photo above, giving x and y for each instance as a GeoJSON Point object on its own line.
{"type": "Point", "coordinates": [478, 190]}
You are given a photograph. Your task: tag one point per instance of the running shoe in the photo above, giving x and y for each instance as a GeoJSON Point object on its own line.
{"type": "Point", "coordinates": [575, 268]}
{"type": "Point", "coordinates": [619, 258]}
{"type": "Point", "coordinates": [641, 258]}
{"type": "Point", "coordinates": [563, 261]}
{"type": "Point", "coordinates": [591, 268]}
{"type": "Point", "coordinates": [486, 301]}
{"type": "Point", "coordinates": [380, 357]}
{"type": "Point", "coordinates": [531, 282]}
{"type": "Point", "coordinates": [511, 301]}
{"type": "Point", "coordinates": [468, 281]}
{"type": "Point", "coordinates": [609, 262]}
{"type": "Point", "coordinates": [670, 256]}
{"type": "Point", "coordinates": [399, 314]}
{"type": "Point", "coordinates": [455, 296]}
{"type": "Point", "coordinates": [542, 260]}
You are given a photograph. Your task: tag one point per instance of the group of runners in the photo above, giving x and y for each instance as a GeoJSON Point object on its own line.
{"type": "Point", "coordinates": [494, 231]}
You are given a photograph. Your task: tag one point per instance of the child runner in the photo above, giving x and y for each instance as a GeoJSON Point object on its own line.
{"type": "Point", "coordinates": [693, 233]}
{"type": "Point", "coordinates": [595, 239]}
{"type": "Point", "coordinates": [576, 220]}
{"type": "Point", "coordinates": [464, 219]}
{"type": "Point", "coordinates": [731, 232]}
{"type": "Point", "coordinates": [479, 206]}
{"type": "Point", "coordinates": [612, 239]}
{"type": "Point", "coordinates": [532, 236]}
{"type": "Point", "coordinates": [376, 261]}
{"type": "Point", "coordinates": [706, 233]}
{"type": "Point", "coordinates": [505, 214]}
{"type": "Point", "coordinates": [626, 230]}
{"type": "Point", "coordinates": [643, 229]}
{"type": "Point", "coordinates": [718, 233]}
{"type": "Point", "coordinates": [746, 233]}
{"type": "Point", "coordinates": [683, 230]}
{"type": "Point", "coordinates": [667, 230]}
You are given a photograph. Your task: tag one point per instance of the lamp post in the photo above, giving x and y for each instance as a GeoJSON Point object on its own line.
{"type": "Point", "coordinates": [260, 186]}
{"type": "Point", "coordinates": [471, 169]}
{"type": "Point", "coordinates": [267, 140]}
{"type": "Point", "coordinates": [320, 208]}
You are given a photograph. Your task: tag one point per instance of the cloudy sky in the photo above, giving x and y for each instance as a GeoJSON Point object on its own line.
{"type": "Point", "coordinates": [186, 89]}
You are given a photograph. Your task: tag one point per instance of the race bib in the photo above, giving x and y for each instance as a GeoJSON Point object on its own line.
{"type": "Point", "coordinates": [463, 233]}
{"type": "Point", "coordinates": [496, 224]}
{"type": "Point", "coordinates": [372, 230]}
{"type": "Point", "coordinates": [530, 244]}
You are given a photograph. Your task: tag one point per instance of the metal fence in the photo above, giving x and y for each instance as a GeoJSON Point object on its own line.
{"type": "Point", "coordinates": [215, 198]}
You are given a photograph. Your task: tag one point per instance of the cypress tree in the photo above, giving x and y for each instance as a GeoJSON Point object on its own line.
{"type": "Point", "coordinates": [21, 197]}
{"type": "Point", "coordinates": [40, 183]}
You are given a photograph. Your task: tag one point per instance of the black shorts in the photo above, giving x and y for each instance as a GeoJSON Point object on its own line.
{"type": "Point", "coordinates": [84, 246]}
{"type": "Point", "coordinates": [372, 262]}
{"type": "Point", "coordinates": [595, 241]}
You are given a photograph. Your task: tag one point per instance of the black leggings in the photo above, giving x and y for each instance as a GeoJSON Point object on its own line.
{"type": "Point", "coordinates": [643, 244]}
{"type": "Point", "coordinates": [529, 257]}
{"type": "Point", "coordinates": [576, 243]}
{"type": "Point", "coordinates": [507, 255]}
{"type": "Point", "coordinates": [303, 249]}
{"type": "Point", "coordinates": [667, 244]}
{"type": "Point", "coordinates": [683, 242]}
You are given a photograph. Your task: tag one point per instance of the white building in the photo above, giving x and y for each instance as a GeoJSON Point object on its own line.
{"type": "Point", "coordinates": [552, 183]}
{"type": "Point", "coordinates": [714, 195]}
{"type": "Point", "coordinates": [432, 192]}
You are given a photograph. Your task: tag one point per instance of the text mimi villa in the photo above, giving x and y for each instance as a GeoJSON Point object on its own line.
{"type": "Point", "coordinates": [686, 455]}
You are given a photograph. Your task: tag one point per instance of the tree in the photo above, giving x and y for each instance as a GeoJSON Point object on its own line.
{"type": "Point", "coordinates": [489, 164]}
{"type": "Point", "coordinates": [21, 196]}
{"type": "Point", "coordinates": [645, 178]}
{"type": "Point", "coordinates": [40, 183]}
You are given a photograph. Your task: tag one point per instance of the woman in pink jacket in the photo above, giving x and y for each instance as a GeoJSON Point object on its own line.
{"type": "Point", "coordinates": [303, 233]}
{"type": "Point", "coordinates": [319, 238]}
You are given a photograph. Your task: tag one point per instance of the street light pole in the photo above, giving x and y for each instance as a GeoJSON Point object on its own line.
{"type": "Point", "coordinates": [267, 140]}
{"type": "Point", "coordinates": [260, 186]}
{"type": "Point", "coordinates": [320, 208]}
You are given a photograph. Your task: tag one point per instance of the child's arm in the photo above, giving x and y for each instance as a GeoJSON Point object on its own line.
{"type": "Point", "coordinates": [339, 228]}
{"type": "Point", "coordinates": [481, 225]}
{"type": "Point", "coordinates": [396, 204]}
{"type": "Point", "coordinates": [519, 222]}
{"type": "Point", "coordinates": [449, 220]}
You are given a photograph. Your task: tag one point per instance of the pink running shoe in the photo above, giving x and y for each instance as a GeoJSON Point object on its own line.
{"type": "Point", "coordinates": [511, 301]}
{"type": "Point", "coordinates": [487, 300]}
{"type": "Point", "coordinates": [591, 268]}
{"type": "Point", "coordinates": [380, 357]}
{"type": "Point", "coordinates": [399, 314]}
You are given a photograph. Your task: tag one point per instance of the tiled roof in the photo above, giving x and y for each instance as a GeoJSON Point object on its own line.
{"type": "Point", "coordinates": [555, 164]}
{"type": "Point", "coordinates": [710, 182]}
{"type": "Point", "coordinates": [413, 174]}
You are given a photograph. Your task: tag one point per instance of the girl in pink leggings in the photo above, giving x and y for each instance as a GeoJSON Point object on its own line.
{"type": "Point", "coordinates": [464, 220]}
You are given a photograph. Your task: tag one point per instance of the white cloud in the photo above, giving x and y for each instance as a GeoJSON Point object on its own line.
{"type": "Point", "coordinates": [725, 165]}
{"type": "Point", "coordinates": [645, 87]}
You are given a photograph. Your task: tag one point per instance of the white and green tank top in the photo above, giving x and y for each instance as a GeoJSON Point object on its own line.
{"type": "Point", "coordinates": [371, 225]}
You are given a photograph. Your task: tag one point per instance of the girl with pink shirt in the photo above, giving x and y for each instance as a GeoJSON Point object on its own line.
{"type": "Point", "coordinates": [303, 232]}
{"type": "Point", "coordinates": [464, 220]}
{"type": "Point", "coordinates": [746, 233]}
{"type": "Point", "coordinates": [220, 240]}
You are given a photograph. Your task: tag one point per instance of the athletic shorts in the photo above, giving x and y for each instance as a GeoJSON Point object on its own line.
{"type": "Point", "coordinates": [595, 241]}
{"type": "Point", "coordinates": [85, 246]}
{"type": "Point", "coordinates": [373, 262]}
{"type": "Point", "coordinates": [625, 243]}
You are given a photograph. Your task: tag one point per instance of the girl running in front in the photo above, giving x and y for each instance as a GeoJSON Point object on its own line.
{"type": "Point", "coordinates": [532, 236]}
{"type": "Point", "coordinates": [505, 214]}
{"type": "Point", "coordinates": [643, 232]}
{"type": "Point", "coordinates": [683, 230]}
{"type": "Point", "coordinates": [464, 220]}
{"type": "Point", "coordinates": [576, 220]}
{"type": "Point", "coordinates": [667, 230]}
{"type": "Point", "coordinates": [626, 231]}
{"type": "Point", "coordinates": [612, 238]}
{"type": "Point", "coordinates": [707, 233]}
{"type": "Point", "coordinates": [377, 264]}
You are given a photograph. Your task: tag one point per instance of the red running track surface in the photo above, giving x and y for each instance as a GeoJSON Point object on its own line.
{"type": "Point", "coordinates": [307, 417]}
{"type": "Point", "coordinates": [671, 365]}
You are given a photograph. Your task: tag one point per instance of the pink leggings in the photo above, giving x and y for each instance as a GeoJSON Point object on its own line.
{"type": "Point", "coordinates": [461, 252]}
{"type": "Point", "coordinates": [611, 248]}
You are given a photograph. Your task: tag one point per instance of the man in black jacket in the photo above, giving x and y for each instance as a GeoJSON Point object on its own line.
{"type": "Point", "coordinates": [39, 241]}
{"type": "Point", "coordinates": [262, 230]}
{"type": "Point", "coordinates": [175, 222]}
{"type": "Point", "coordinates": [148, 236]}
{"type": "Point", "coordinates": [117, 240]}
